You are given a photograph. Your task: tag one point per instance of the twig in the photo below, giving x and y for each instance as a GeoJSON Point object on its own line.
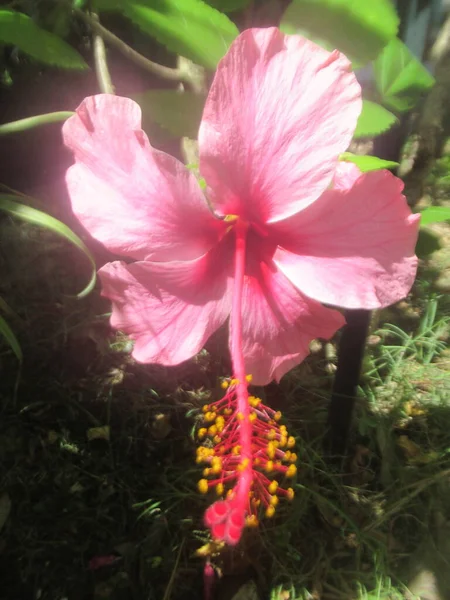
{"type": "Point", "coordinates": [101, 64]}
{"type": "Point", "coordinates": [127, 51]}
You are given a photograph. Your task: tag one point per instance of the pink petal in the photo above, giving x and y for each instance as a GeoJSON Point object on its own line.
{"type": "Point", "coordinates": [280, 111]}
{"type": "Point", "coordinates": [353, 247]}
{"type": "Point", "coordinates": [169, 309]}
{"type": "Point", "coordinates": [279, 323]}
{"type": "Point", "coordinates": [136, 201]}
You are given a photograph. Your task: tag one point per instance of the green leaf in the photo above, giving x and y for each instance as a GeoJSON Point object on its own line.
{"type": "Point", "coordinates": [19, 30]}
{"type": "Point", "coordinates": [10, 204]}
{"type": "Point", "coordinates": [358, 29]}
{"type": "Point", "coordinates": [367, 163]}
{"type": "Point", "coordinates": [227, 6]}
{"type": "Point", "coordinates": [179, 113]}
{"type": "Point", "coordinates": [434, 214]}
{"type": "Point", "coordinates": [190, 28]}
{"type": "Point", "coordinates": [373, 120]}
{"type": "Point", "coordinates": [7, 333]}
{"type": "Point", "coordinates": [36, 121]}
{"type": "Point", "coordinates": [400, 78]}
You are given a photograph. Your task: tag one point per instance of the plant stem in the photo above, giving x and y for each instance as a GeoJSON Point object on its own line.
{"type": "Point", "coordinates": [36, 121]}
{"type": "Point", "coordinates": [139, 59]}
{"type": "Point", "coordinates": [101, 64]}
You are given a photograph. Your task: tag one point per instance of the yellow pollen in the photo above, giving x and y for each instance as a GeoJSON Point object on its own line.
{"type": "Point", "coordinates": [251, 521]}
{"type": "Point", "coordinates": [283, 441]}
{"type": "Point", "coordinates": [234, 382]}
{"type": "Point", "coordinates": [271, 450]}
{"type": "Point", "coordinates": [205, 408]}
{"type": "Point", "coordinates": [293, 457]}
{"type": "Point", "coordinates": [212, 430]}
{"type": "Point", "coordinates": [231, 218]}
{"type": "Point", "coordinates": [290, 494]}
{"type": "Point", "coordinates": [291, 471]}
{"type": "Point", "coordinates": [217, 439]}
{"type": "Point", "coordinates": [291, 442]}
{"type": "Point", "coordinates": [201, 433]}
{"type": "Point", "coordinates": [273, 486]}
{"type": "Point", "coordinates": [239, 416]}
{"type": "Point", "coordinates": [219, 489]}
{"type": "Point", "coordinates": [236, 450]}
{"type": "Point", "coordinates": [202, 486]}
{"type": "Point", "coordinates": [272, 434]}
{"type": "Point", "coordinates": [243, 465]}
{"type": "Point", "coordinates": [283, 429]}
{"type": "Point", "coordinates": [287, 455]}
{"type": "Point", "coordinates": [224, 384]}
{"type": "Point", "coordinates": [273, 500]}
{"type": "Point", "coordinates": [277, 416]}
{"type": "Point", "coordinates": [227, 412]}
{"type": "Point", "coordinates": [253, 416]}
{"type": "Point", "coordinates": [269, 466]}
{"type": "Point", "coordinates": [206, 472]}
{"type": "Point", "coordinates": [270, 511]}
{"type": "Point", "coordinates": [257, 461]}
{"type": "Point", "coordinates": [249, 378]}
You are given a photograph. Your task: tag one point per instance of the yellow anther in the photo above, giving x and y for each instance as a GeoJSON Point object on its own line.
{"type": "Point", "coordinates": [216, 465]}
{"type": "Point", "coordinates": [236, 450]}
{"type": "Point", "coordinates": [253, 416]}
{"type": "Point", "coordinates": [221, 450]}
{"type": "Point", "coordinates": [273, 486]}
{"type": "Point", "coordinates": [219, 489]}
{"type": "Point", "coordinates": [287, 455]}
{"type": "Point", "coordinates": [230, 218]}
{"type": "Point", "coordinates": [270, 511]}
{"type": "Point", "coordinates": [243, 465]}
{"type": "Point", "coordinates": [277, 415]}
{"type": "Point", "coordinates": [271, 449]}
{"type": "Point", "coordinates": [234, 382]}
{"type": "Point", "coordinates": [205, 408]}
{"type": "Point", "coordinates": [227, 411]}
{"type": "Point", "coordinates": [293, 457]}
{"type": "Point", "coordinates": [210, 416]}
{"type": "Point", "coordinates": [256, 502]}
{"type": "Point", "coordinates": [203, 486]}
{"type": "Point", "coordinates": [291, 471]}
{"type": "Point", "coordinates": [201, 433]}
{"type": "Point", "coordinates": [229, 495]}
{"type": "Point", "coordinates": [283, 429]}
{"type": "Point", "coordinates": [272, 434]}
{"type": "Point", "coordinates": [257, 462]}
{"type": "Point", "coordinates": [273, 500]}
{"type": "Point", "coordinates": [283, 441]}
{"type": "Point", "coordinates": [239, 416]}
{"type": "Point", "coordinates": [251, 521]}
{"type": "Point", "coordinates": [212, 430]}
{"type": "Point", "coordinates": [217, 439]}
{"type": "Point", "coordinates": [269, 466]}
{"type": "Point", "coordinates": [249, 378]}
{"type": "Point", "coordinates": [290, 494]}
{"type": "Point", "coordinates": [224, 384]}
{"type": "Point", "coordinates": [206, 472]}
{"type": "Point", "coordinates": [291, 442]}
{"type": "Point", "coordinates": [220, 421]}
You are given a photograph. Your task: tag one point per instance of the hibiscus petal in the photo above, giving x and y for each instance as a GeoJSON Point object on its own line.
{"type": "Point", "coordinates": [353, 247]}
{"type": "Point", "coordinates": [279, 323]}
{"type": "Point", "coordinates": [137, 201]}
{"type": "Point", "coordinates": [280, 111]}
{"type": "Point", "coordinates": [169, 309]}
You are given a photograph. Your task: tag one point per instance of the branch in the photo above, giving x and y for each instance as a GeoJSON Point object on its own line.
{"type": "Point", "coordinates": [128, 52]}
{"type": "Point", "coordinates": [101, 64]}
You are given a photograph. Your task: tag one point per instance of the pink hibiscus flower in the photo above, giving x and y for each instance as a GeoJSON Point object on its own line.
{"type": "Point", "coordinates": [298, 229]}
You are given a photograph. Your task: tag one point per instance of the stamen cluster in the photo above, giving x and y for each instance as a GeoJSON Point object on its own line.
{"type": "Point", "coordinates": [245, 478]}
